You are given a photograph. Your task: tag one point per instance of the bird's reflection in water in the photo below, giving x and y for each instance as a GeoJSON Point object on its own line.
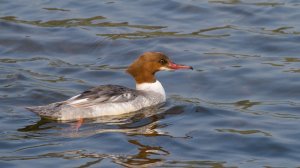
{"type": "Point", "coordinates": [147, 156]}
{"type": "Point", "coordinates": [145, 123]}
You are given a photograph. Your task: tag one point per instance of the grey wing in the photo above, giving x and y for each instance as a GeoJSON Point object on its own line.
{"type": "Point", "coordinates": [103, 94]}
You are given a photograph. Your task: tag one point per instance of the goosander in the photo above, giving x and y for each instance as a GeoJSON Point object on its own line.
{"type": "Point", "coordinates": [108, 100]}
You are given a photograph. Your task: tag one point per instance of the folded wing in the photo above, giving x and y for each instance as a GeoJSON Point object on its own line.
{"type": "Point", "coordinates": [103, 94]}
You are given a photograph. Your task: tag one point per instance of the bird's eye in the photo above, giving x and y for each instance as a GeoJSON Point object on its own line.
{"type": "Point", "coordinates": [162, 61]}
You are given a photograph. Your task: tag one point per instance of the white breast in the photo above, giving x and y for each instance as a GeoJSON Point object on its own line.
{"type": "Point", "coordinates": [154, 87]}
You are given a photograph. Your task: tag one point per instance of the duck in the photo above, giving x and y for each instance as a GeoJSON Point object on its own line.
{"type": "Point", "coordinates": [109, 100]}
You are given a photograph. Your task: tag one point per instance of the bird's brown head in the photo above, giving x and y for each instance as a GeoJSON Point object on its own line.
{"type": "Point", "coordinates": [145, 66]}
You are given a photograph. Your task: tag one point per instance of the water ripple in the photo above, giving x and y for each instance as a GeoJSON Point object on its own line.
{"type": "Point", "coordinates": [238, 108]}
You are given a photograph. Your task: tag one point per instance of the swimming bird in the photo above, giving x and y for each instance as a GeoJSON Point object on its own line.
{"type": "Point", "coordinates": [108, 100]}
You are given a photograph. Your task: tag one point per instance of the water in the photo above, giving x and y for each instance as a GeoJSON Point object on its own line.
{"type": "Point", "coordinates": [238, 108]}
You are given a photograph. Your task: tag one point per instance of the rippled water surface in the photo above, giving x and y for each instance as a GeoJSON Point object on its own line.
{"type": "Point", "coordinates": [238, 108]}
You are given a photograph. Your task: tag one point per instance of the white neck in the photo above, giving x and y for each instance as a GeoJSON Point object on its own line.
{"type": "Point", "coordinates": [154, 87]}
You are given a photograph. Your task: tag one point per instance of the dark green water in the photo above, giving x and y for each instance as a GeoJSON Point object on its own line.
{"type": "Point", "coordinates": [238, 108]}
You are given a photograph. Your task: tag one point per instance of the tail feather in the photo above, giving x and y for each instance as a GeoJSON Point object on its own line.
{"type": "Point", "coordinates": [48, 111]}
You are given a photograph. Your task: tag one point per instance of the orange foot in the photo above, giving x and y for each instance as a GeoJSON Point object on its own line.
{"type": "Point", "coordinates": [79, 123]}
